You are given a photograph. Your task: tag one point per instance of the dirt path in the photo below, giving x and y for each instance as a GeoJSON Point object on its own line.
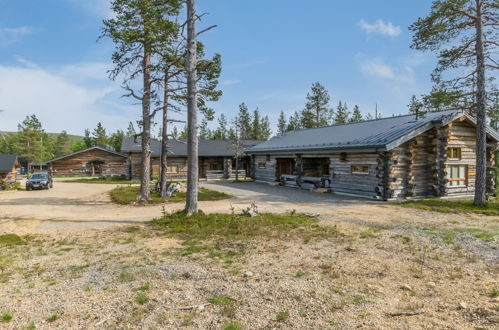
{"type": "Point", "coordinates": [76, 206]}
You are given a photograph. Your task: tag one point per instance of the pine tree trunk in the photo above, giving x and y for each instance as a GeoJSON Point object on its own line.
{"type": "Point", "coordinates": [164, 142]}
{"type": "Point", "coordinates": [191, 205]}
{"type": "Point", "coordinates": [481, 143]}
{"type": "Point", "coordinates": [146, 129]}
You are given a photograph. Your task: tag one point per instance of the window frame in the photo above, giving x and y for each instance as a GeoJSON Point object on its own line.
{"type": "Point", "coordinates": [450, 152]}
{"type": "Point", "coordinates": [171, 172]}
{"type": "Point", "coordinates": [262, 166]}
{"type": "Point", "coordinates": [365, 169]}
{"type": "Point", "coordinates": [459, 179]}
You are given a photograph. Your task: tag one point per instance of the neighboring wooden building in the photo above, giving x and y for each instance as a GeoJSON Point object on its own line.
{"type": "Point", "coordinates": [392, 158]}
{"type": "Point", "coordinates": [216, 158]}
{"type": "Point", "coordinates": [9, 164]}
{"type": "Point", "coordinates": [92, 161]}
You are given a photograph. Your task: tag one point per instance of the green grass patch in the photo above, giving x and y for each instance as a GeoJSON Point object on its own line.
{"type": "Point", "coordinates": [233, 325]}
{"type": "Point", "coordinates": [141, 298]}
{"type": "Point", "coordinates": [205, 226]}
{"type": "Point", "coordinates": [454, 206]}
{"type": "Point", "coordinates": [11, 240]}
{"type": "Point", "coordinates": [130, 194]}
{"type": "Point", "coordinates": [106, 180]}
{"type": "Point", "coordinates": [6, 317]}
{"type": "Point", "coordinates": [52, 318]}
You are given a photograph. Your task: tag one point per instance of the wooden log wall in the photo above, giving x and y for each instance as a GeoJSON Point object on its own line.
{"type": "Point", "coordinates": [344, 181]}
{"type": "Point", "coordinates": [266, 173]}
{"type": "Point", "coordinates": [410, 167]}
{"type": "Point", "coordinates": [77, 165]}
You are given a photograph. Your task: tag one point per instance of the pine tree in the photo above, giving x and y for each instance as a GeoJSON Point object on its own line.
{"type": "Point", "coordinates": [294, 122]}
{"type": "Point", "coordinates": [175, 134]}
{"type": "Point", "coordinates": [204, 130]}
{"type": "Point", "coordinates": [33, 144]}
{"type": "Point", "coordinates": [87, 139]}
{"type": "Point", "coordinates": [99, 136]}
{"type": "Point", "coordinates": [221, 132]}
{"type": "Point", "coordinates": [369, 116]}
{"type": "Point", "coordinates": [281, 124]}
{"type": "Point", "coordinates": [130, 131]}
{"type": "Point", "coordinates": [139, 30]}
{"type": "Point", "coordinates": [266, 131]}
{"type": "Point", "coordinates": [62, 144]}
{"type": "Point", "coordinates": [256, 127]}
{"type": "Point", "coordinates": [465, 34]}
{"type": "Point", "coordinates": [342, 114]}
{"type": "Point", "coordinates": [317, 111]}
{"type": "Point", "coordinates": [416, 107]}
{"type": "Point", "coordinates": [115, 140]}
{"type": "Point", "coordinates": [356, 115]}
{"type": "Point", "coordinates": [244, 118]}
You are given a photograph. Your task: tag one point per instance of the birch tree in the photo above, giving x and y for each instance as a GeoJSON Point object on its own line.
{"type": "Point", "coordinates": [465, 35]}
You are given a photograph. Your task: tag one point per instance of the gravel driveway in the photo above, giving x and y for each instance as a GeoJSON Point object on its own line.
{"type": "Point", "coordinates": [76, 206]}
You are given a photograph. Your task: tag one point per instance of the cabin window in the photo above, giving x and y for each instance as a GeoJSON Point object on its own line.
{"type": "Point", "coordinates": [261, 165]}
{"type": "Point", "coordinates": [343, 157]}
{"type": "Point", "coordinates": [172, 169]}
{"type": "Point", "coordinates": [267, 158]}
{"type": "Point", "coordinates": [360, 169]}
{"type": "Point", "coordinates": [454, 153]}
{"type": "Point", "coordinates": [458, 175]}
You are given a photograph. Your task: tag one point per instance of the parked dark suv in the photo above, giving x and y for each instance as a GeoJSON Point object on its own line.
{"type": "Point", "coordinates": [39, 181]}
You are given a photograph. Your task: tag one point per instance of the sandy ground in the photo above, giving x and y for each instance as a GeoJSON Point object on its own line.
{"type": "Point", "coordinates": [76, 206]}
{"type": "Point", "coordinates": [95, 265]}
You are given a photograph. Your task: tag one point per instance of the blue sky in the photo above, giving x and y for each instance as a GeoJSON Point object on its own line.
{"type": "Point", "coordinates": [272, 51]}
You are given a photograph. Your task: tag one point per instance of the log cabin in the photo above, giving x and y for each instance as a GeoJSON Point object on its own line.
{"type": "Point", "coordinates": [392, 158]}
{"type": "Point", "coordinates": [216, 158]}
{"type": "Point", "coordinates": [94, 161]}
{"type": "Point", "coordinates": [9, 164]}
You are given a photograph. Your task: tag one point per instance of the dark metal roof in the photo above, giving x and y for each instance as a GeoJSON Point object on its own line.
{"type": "Point", "coordinates": [386, 133]}
{"type": "Point", "coordinates": [85, 150]}
{"type": "Point", "coordinates": [7, 162]}
{"type": "Point", "coordinates": [207, 148]}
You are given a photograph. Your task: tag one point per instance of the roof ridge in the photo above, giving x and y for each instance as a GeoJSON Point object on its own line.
{"type": "Point", "coordinates": [366, 121]}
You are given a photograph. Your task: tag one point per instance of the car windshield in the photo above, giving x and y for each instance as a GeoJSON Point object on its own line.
{"type": "Point", "coordinates": [39, 176]}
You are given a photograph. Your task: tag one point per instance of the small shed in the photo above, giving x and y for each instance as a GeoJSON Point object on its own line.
{"type": "Point", "coordinates": [9, 164]}
{"type": "Point", "coordinates": [94, 161]}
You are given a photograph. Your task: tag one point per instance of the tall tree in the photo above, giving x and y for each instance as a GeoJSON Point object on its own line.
{"type": "Point", "coordinates": [191, 205]}
{"type": "Point", "coordinates": [116, 139]}
{"type": "Point", "coordinates": [356, 115]}
{"type": "Point", "coordinates": [265, 130]}
{"type": "Point", "coordinates": [204, 131]}
{"type": "Point", "coordinates": [99, 136]}
{"type": "Point", "coordinates": [62, 145]}
{"type": "Point", "coordinates": [342, 114]}
{"type": "Point", "coordinates": [130, 131]}
{"type": "Point", "coordinates": [138, 30]}
{"type": "Point", "coordinates": [281, 124]}
{"type": "Point", "coordinates": [33, 144]}
{"type": "Point", "coordinates": [87, 139]}
{"type": "Point", "coordinates": [244, 118]}
{"type": "Point", "coordinates": [221, 132]}
{"type": "Point", "coordinates": [294, 122]}
{"type": "Point", "coordinates": [416, 107]}
{"type": "Point", "coordinates": [317, 111]}
{"type": "Point", "coordinates": [256, 127]}
{"type": "Point", "coordinates": [465, 34]}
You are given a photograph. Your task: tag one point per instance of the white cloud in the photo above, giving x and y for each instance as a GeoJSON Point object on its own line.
{"type": "Point", "coordinates": [9, 35]}
{"type": "Point", "coordinates": [380, 27]}
{"type": "Point", "coordinates": [377, 68]}
{"type": "Point", "coordinates": [66, 98]}
{"type": "Point", "coordinates": [230, 82]}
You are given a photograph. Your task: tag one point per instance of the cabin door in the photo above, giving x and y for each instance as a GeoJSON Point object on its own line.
{"type": "Point", "coordinates": [283, 166]}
